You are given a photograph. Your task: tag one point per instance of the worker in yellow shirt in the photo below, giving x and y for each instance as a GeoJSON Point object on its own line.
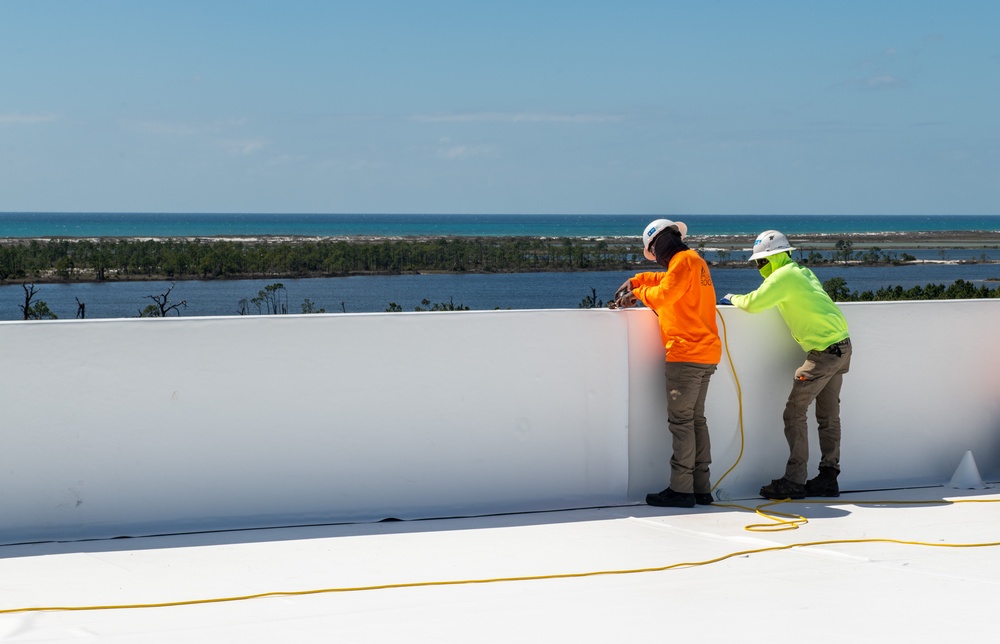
{"type": "Point", "coordinates": [819, 327]}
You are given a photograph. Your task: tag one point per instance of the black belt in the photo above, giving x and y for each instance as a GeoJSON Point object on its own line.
{"type": "Point", "coordinates": [835, 347]}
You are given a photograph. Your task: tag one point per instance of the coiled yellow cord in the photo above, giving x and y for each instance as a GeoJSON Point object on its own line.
{"type": "Point", "coordinates": [795, 521]}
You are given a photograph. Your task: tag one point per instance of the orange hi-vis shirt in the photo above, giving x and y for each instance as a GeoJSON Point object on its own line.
{"type": "Point", "coordinates": [683, 298]}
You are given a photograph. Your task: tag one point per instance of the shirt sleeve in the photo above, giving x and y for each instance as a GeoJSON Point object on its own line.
{"type": "Point", "coordinates": [658, 289]}
{"type": "Point", "coordinates": [767, 296]}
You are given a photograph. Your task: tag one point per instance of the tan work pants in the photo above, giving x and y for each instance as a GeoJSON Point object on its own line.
{"type": "Point", "coordinates": [687, 387]}
{"type": "Point", "coordinates": [819, 378]}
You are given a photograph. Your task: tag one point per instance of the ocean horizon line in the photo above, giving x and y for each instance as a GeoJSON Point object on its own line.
{"type": "Point", "coordinates": [79, 225]}
{"type": "Point", "coordinates": [290, 213]}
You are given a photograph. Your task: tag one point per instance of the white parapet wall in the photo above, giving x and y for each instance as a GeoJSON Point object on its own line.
{"type": "Point", "coordinates": [924, 388]}
{"type": "Point", "coordinates": [144, 426]}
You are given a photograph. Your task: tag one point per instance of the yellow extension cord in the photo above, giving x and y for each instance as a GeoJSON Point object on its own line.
{"type": "Point", "coordinates": [461, 582]}
{"type": "Point", "coordinates": [780, 521]}
{"type": "Point", "coordinates": [739, 399]}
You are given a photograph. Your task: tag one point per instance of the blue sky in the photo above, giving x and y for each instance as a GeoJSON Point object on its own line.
{"type": "Point", "coordinates": [379, 106]}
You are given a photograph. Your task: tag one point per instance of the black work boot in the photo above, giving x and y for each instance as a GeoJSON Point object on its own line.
{"type": "Point", "coordinates": [825, 484]}
{"type": "Point", "coordinates": [783, 489]}
{"type": "Point", "coordinates": [670, 499]}
{"type": "Point", "coordinates": [703, 498]}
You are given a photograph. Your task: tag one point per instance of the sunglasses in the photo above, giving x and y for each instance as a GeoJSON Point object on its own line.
{"type": "Point", "coordinates": [761, 263]}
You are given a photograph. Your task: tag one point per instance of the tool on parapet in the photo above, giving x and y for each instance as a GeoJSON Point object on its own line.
{"type": "Point", "coordinates": [620, 301]}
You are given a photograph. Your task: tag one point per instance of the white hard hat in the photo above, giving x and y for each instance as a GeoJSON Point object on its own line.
{"type": "Point", "coordinates": [654, 229]}
{"type": "Point", "coordinates": [769, 242]}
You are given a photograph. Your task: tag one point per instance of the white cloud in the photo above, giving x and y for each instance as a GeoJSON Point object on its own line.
{"type": "Point", "coordinates": [364, 164]}
{"type": "Point", "coordinates": [244, 147]}
{"type": "Point", "coordinates": [465, 151]}
{"type": "Point", "coordinates": [11, 118]}
{"type": "Point", "coordinates": [886, 56]}
{"type": "Point", "coordinates": [285, 160]}
{"type": "Point", "coordinates": [516, 117]}
{"type": "Point", "coordinates": [459, 151]}
{"type": "Point", "coordinates": [162, 127]}
{"type": "Point", "coordinates": [883, 81]}
{"type": "Point", "coordinates": [876, 82]}
{"type": "Point", "coordinates": [182, 128]}
{"type": "Point", "coordinates": [211, 132]}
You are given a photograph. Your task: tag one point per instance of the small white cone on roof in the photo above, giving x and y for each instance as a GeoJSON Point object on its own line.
{"type": "Point", "coordinates": [967, 474]}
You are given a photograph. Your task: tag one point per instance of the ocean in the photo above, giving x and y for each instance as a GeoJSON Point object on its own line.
{"type": "Point", "coordinates": [365, 294]}
{"type": "Point", "coordinates": [15, 224]}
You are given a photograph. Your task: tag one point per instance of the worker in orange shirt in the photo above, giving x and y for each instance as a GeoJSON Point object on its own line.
{"type": "Point", "coordinates": [683, 298]}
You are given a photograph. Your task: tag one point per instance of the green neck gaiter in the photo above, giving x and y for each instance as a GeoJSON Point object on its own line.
{"type": "Point", "coordinates": [774, 263]}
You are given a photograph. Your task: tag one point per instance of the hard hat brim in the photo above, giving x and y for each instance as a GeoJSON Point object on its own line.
{"type": "Point", "coordinates": [767, 253]}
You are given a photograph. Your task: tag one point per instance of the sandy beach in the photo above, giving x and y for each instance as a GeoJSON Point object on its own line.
{"type": "Point", "coordinates": [932, 240]}
{"type": "Point", "coordinates": [814, 241]}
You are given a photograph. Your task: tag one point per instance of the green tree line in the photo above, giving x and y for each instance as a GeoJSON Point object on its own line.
{"type": "Point", "coordinates": [179, 259]}
{"type": "Point", "coordinates": [124, 259]}
{"type": "Point", "coordinates": [959, 290]}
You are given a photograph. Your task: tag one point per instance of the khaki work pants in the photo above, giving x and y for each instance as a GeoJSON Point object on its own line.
{"type": "Point", "coordinates": [687, 387]}
{"type": "Point", "coordinates": [819, 378]}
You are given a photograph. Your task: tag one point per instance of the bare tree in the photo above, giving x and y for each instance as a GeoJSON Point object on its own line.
{"type": "Point", "coordinates": [591, 301]}
{"type": "Point", "coordinates": [162, 305]}
{"type": "Point", "coordinates": [34, 311]}
{"type": "Point", "coordinates": [28, 295]}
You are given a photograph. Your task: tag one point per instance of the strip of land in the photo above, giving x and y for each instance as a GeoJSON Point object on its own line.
{"type": "Point", "coordinates": [920, 239]}
{"type": "Point", "coordinates": [275, 257]}
{"type": "Point", "coordinates": [932, 239]}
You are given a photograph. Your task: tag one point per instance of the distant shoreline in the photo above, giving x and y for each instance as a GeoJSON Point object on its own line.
{"type": "Point", "coordinates": [932, 239]}
{"type": "Point", "coordinates": [181, 258]}
{"type": "Point", "coordinates": [817, 241]}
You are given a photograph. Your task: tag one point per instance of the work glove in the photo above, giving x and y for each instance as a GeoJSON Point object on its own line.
{"type": "Point", "coordinates": [624, 298]}
{"type": "Point", "coordinates": [727, 299]}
